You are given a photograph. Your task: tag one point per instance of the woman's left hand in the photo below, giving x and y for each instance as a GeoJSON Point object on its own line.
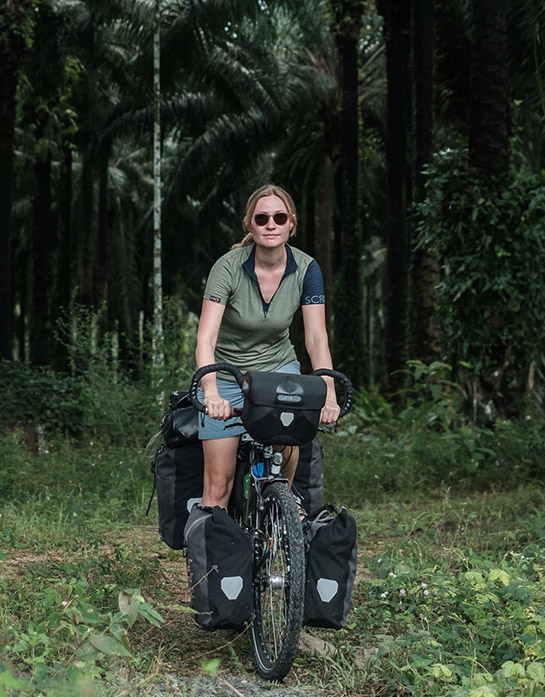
{"type": "Point", "coordinates": [330, 412]}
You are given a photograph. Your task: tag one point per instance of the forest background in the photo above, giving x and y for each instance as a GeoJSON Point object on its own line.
{"type": "Point", "coordinates": [411, 137]}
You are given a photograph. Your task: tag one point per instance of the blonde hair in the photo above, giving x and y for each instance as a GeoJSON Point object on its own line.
{"type": "Point", "coordinates": [266, 190]}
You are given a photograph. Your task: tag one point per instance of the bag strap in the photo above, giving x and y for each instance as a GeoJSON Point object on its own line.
{"type": "Point", "coordinates": [323, 516]}
{"type": "Point", "coordinates": [154, 472]}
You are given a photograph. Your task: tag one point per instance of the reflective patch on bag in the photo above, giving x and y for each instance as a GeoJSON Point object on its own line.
{"type": "Point", "coordinates": [327, 589]}
{"type": "Point", "coordinates": [232, 586]}
{"type": "Point", "coordinates": [286, 418]}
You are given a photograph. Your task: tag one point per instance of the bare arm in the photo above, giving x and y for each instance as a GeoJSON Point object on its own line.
{"type": "Point", "coordinates": [317, 345]}
{"type": "Point", "coordinates": [207, 336]}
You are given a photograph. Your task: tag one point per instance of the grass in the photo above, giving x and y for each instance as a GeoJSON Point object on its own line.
{"type": "Point", "coordinates": [449, 597]}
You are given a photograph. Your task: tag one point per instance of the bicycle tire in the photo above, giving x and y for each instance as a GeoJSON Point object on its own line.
{"type": "Point", "coordinates": [279, 584]}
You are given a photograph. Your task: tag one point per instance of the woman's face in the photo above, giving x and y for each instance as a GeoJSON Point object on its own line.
{"type": "Point", "coordinates": [267, 231]}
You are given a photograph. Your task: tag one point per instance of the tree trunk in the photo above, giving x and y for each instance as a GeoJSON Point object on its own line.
{"type": "Point", "coordinates": [348, 301]}
{"type": "Point", "coordinates": [43, 244]}
{"type": "Point", "coordinates": [101, 298]}
{"type": "Point", "coordinates": [396, 15]}
{"type": "Point", "coordinates": [15, 25]}
{"type": "Point", "coordinates": [86, 224]}
{"type": "Point", "coordinates": [158, 344]}
{"type": "Point", "coordinates": [489, 102]}
{"type": "Point", "coordinates": [425, 266]}
{"type": "Point", "coordinates": [489, 129]}
{"type": "Point", "coordinates": [64, 275]}
{"type": "Point", "coordinates": [8, 86]}
{"type": "Point", "coordinates": [323, 230]}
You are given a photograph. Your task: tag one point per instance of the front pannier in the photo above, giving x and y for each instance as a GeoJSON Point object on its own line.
{"type": "Point", "coordinates": [282, 408]}
{"type": "Point", "coordinates": [219, 566]}
{"type": "Point", "coordinates": [331, 549]}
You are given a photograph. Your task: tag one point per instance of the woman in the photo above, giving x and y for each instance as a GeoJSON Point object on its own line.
{"type": "Point", "coordinates": [251, 296]}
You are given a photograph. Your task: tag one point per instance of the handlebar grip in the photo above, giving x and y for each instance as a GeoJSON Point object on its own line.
{"type": "Point", "coordinates": [205, 370]}
{"type": "Point", "coordinates": [345, 382]}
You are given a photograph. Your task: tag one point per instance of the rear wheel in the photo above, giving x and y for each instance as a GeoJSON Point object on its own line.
{"type": "Point", "coordinates": [279, 584]}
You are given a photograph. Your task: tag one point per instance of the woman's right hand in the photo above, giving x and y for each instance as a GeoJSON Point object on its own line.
{"type": "Point", "coordinates": [217, 407]}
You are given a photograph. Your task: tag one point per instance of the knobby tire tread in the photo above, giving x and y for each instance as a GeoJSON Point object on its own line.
{"type": "Point", "coordinates": [275, 664]}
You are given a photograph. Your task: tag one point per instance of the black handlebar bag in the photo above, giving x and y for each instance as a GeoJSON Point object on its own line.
{"type": "Point", "coordinates": [282, 408]}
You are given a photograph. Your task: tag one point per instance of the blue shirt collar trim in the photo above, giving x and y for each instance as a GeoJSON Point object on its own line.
{"type": "Point", "coordinates": [249, 264]}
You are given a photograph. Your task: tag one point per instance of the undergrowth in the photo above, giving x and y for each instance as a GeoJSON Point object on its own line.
{"type": "Point", "coordinates": [452, 603]}
{"type": "Point", "coordinates": [448, 601]}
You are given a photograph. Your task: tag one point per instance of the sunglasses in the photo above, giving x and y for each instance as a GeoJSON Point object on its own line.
{"type": "Point", "coordinates": [261, 219]}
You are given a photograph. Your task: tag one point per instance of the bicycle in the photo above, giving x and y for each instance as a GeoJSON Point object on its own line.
{"type": "Point", "coordinates": [267, 509]}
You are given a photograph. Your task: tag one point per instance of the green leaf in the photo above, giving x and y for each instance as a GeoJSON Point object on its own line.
{"type": "Point", "coordinates": [499, 576]}
{"type": "Point", "coordinates": [7, 679]}
{"type": "Point", "coordinates": [513, 670]}
{"type": "Point", "coordinates": [108, 645]}
{"type": "Point", "coordinates": [536, 672]}
{"type": "Point", "coordinates": [129, 601]}
{"type": "Point", "coordinates": [151, 615]}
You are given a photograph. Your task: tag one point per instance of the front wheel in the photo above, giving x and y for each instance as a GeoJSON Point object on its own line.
{"type": "Point", "coordinates": [279, 584]}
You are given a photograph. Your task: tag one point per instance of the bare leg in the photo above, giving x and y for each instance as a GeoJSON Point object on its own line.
{"type": "Point", "coordinates": [291, 458]}
{"type": "Point", "coordinates": [220, 457]}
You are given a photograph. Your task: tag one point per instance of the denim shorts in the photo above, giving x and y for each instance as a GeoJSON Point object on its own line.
{"type": "Point", "coordinates": [210, 429]}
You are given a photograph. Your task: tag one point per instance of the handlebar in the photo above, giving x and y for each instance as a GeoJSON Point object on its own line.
{"type": "Point", "coordinates": [205, 370]}
{"type": "Point", "coordinates": [239, 377]}
{"type": "Point", "coordinates": [345, 382]}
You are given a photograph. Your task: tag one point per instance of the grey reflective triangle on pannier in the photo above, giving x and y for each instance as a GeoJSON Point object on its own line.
{"type": "Point", "coordinates": [231, 586]}
{"type": "Point", "coordinates": [327, 589]}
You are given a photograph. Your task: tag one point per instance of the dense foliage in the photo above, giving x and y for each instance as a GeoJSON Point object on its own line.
{"type": "Point", "coordinates": [491, 236]}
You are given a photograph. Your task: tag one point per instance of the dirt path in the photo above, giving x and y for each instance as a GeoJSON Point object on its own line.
{"type": "Point", "coordinates": [236, 675]}
{"type": "Point", "coordinates": [188, 661]}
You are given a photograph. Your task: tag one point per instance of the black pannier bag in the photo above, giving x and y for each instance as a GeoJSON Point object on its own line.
{"type": "Point", "coordinates": [308, 482]}
{"type": "Point", "coordinates": [219, 567]}
{"type": "Point", "coordinates": [179, 483]}
{"type": "Point", "coordinates": [331, 550]}
{"type": "Point", "coordinates": [282, 408]}
{"type": "Point", "coordinates": [179, 425]}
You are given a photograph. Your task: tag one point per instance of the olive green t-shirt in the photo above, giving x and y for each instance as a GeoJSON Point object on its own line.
{"type": "Point", "coordinates": [254, 335]}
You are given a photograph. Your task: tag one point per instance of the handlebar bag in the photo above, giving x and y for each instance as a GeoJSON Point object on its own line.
{"type": "Point", "coordinates": [219, 567]}
{"type": "Point", "coordinates": [282, 408]}
{"type": "Point", "coordinates": [331, 559]}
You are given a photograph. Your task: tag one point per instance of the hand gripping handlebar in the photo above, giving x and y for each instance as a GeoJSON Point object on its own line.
{"type": "Point", "coordinates": [205, 370]}
{"type": "Point", "coordinates": [345, 382]}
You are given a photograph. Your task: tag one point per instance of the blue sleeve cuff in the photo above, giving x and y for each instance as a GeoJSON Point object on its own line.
{"type": "Point", "coordinates": [313, 285]}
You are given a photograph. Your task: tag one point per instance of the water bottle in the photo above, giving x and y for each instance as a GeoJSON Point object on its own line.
{"type": "Point", "coordinates": [246, 484]}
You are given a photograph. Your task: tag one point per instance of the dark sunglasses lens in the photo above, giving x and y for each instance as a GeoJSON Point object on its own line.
{"type": "Point", "coordinates": [262, 219]}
